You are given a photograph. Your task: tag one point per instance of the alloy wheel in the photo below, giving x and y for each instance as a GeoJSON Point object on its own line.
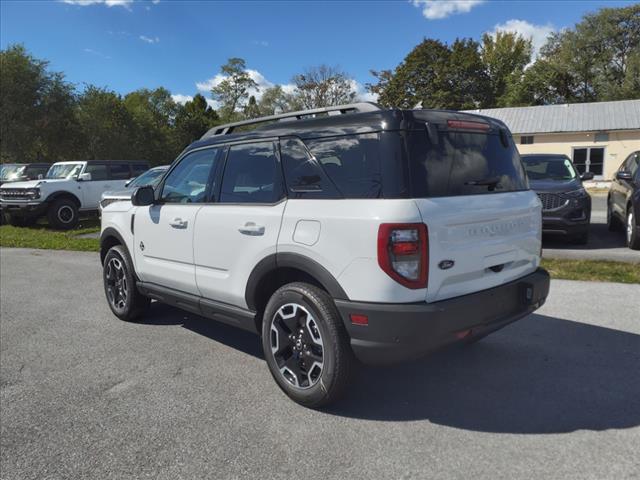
{"type": "Point", "coordinates": [630, 227]}
{"type": "Point", "coordinates": [117, 288]}
{"type": "Point", "coordinates": [296, 345]}
{"type": "Point", "coordinates": [65, 214]}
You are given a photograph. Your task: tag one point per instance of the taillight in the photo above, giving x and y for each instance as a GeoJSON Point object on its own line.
{"type": "Point", "coordinates": [403, 253]}
{"type": "Point", "coordinates": [468, 125]}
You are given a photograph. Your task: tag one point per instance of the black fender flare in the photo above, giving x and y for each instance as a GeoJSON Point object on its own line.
{"type": "Point", "coordinates": [291, 260]}
{"type": "Point", "coordinates": [63, 193]}
{"type": "Point", "coordinates": [107, 233]}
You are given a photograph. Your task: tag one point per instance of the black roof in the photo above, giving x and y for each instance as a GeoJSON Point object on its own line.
{"type": "Point", "coordinates": [351, 123]}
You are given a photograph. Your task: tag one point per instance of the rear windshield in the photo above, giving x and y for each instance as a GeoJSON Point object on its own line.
{"type": "Point", "coordinates": [451, 163]}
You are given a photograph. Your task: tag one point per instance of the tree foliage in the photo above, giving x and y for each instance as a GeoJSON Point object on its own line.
{"type": "Point", "coordinates": [234, 89]}
{"type": "Point", "coordinates": [323, 86]}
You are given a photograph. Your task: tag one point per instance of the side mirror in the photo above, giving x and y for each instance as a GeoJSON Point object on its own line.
{"type": "Point", "coordinates": [587, 176]}
{"type": "Point", "coordinates": [624, 175]}
{"type": "Point", "coordinates": [143, 196]}
{"type": "Point", "coordinates": [40, 176]}
{"type": "Point", "coordinates": [84, 177]}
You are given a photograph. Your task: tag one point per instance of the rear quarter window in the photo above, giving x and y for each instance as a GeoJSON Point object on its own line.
{"type": "Point", "coordinates": [453, 163]}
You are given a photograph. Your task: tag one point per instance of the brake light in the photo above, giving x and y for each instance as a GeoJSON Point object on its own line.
{"type": "Point", "coordinates": [403, 253]}
{"type": "Point", "coordinates": [468, 125]}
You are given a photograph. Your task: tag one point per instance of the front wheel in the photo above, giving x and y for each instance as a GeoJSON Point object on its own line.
{"type": "Point", "coordinates": [306, 345]}
{"type": "Point", "coordinates": [120, 285]}
{"type": "Point", "coordinates": [633, 239]}
{"type": "Point", "coordinates": [63, 214]}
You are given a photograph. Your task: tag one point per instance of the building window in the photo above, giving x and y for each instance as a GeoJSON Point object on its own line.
{"type": "Point", "coordinates": [601, 137]}
{"type": "Point", "coordinates": [589, 159]}
{"type": "Point", "coordinates": [526, 140]}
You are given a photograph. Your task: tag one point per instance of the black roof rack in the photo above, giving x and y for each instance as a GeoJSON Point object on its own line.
{"type": "Point", "coordinates": [302, 114]}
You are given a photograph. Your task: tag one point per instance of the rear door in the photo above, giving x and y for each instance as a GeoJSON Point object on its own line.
{"type": "Point", "coordinates": [484, 224]}
{"type": "Point", "coordinates": [241, 227]}
{"type": "Point", "coordinates": [163, 232]}
{"type": "Point", "coordinates": [100, 182]}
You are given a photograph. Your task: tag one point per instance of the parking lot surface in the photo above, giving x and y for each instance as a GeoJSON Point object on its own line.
{"type": "Point", "coordinates": [84, 395]}
{"type": "Point", "coordinates": [602, 245]}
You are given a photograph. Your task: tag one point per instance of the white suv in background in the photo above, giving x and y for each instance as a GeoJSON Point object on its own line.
{"type": "Point", "coordinates": [67, 189]}
{"type": "Point", "coordinates": [336, 234]}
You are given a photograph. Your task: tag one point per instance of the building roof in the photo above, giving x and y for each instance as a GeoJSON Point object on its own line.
{"type": "Point", "coordinates": [573, 117]}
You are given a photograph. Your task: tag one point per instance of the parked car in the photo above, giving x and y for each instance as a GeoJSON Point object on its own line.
{"type": "Point", "coordinates": [623, 202]}
{"type": "Point", "coordinates": [150, 177]}
{"type": "Point", "coordinates": [566, 205]}
{"type": "Point", "coordinates": [68, 189]}
{"type": "Point", "coordinates": [18, 172]}
{"type": "Point", "coordinates": [339, 233]}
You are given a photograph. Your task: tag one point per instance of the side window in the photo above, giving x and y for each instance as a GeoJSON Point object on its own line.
{"type": "Point", "coordinates": [251, 174]}
{"type": "Point", "coordinates": [188, 182]}
{"type": "Point", "coordinates": [120, 171]}
{"type": "Point", "coordinates": [352, 162]}
{"type": "Point", "coordinates": [304, 176]}
{"type": "Point", "coordinates": [138, 169]}
{"type": "Point", "coordinates": [98, 171]}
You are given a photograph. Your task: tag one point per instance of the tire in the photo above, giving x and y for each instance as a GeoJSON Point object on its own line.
{"type": "Point", "coordinates": [633, 239]}
{"type": "Point", "coordinates": [613, 223]}
{"type": "Point", "coordinates": [304, 319]}
{"type": "Point", "coordinates": [119, 279]}
{"type": "Point", "coordinates": [63, 214]}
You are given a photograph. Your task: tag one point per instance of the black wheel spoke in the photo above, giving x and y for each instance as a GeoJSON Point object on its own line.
{"type": "Point", "coordinates": [296, 345]}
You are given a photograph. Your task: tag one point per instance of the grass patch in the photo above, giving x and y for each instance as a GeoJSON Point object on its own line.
{"type": "Point", "coordinates": [593, 270]}
{"type": "Point", "coordinates": [41, 236]}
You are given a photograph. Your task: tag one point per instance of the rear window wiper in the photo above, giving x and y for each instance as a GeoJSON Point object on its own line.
{"type": "Point", "coordinates": [491, 183]}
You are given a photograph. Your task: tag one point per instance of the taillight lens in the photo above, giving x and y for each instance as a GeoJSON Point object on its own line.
{"type": "Point", "coordinates": [403, 253]}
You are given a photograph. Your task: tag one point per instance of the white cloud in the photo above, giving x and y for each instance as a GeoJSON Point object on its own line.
{"type": "Point", "coordinates": [537, 33]}
{"type": "Point", "coordinates": [181, 99]}
{"type": "Point", "coordinates": [261, 43]}
{"type": "Point", "coordinates": [437, 9]}
{"type": "Point", "coordinates": [256, 76]}
{"type": "Point", "coordinates": [155, 2]}
{"type": "Point", "coordinates": [96, 53]}
{"type": "Point", "coordinates": [109, 3]}
{"type": "Point", "coordinates": [151, 40]}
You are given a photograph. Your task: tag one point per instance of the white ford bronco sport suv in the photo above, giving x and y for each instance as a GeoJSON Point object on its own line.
{"type": "Point", "coordinates": [336, 234]}
{"type": "Point", "coordinates": [67, 189]}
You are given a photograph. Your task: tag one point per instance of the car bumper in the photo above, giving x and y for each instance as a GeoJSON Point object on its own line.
{"type": "Point", "coordinates": [400, 332]}
{"type": "Point", "coordinates": [23, 209]}
{"type": "Point", "coordinates": [570, 220]}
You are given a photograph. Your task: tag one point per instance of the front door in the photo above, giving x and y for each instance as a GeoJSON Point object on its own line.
{"type": "Point", "coordinates": [242, 226]}
{"type": "Point", "coordinates": [163, 232]}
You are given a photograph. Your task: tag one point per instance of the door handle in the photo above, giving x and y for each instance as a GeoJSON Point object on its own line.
{"type": "Point", "coordinates": [251, 228]}
{"type": "Point", "coordinates": [178, 223]}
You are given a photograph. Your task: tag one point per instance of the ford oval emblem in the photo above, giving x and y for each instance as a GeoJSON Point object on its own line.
{"type": "Point", "coordinates": [446, 264]}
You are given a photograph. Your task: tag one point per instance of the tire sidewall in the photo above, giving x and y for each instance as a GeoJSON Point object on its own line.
{"type": "Point", "coordinates": [315, 394]}
{"type": "Point", "coordinates": [54, 216]}
{"type": "Point", "coordinates": [119, 253]}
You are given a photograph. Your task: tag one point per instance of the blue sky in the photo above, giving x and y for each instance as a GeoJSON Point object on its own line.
{"type": "Point", "coordinates": [125, 45]}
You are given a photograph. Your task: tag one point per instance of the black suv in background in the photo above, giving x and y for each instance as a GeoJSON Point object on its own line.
{"type": "Point", "coordinates": [623, 203]}
{"type": "Point", "coordinates": [566, 205]}
{"type": "Point", "coordinates": [18, 172]}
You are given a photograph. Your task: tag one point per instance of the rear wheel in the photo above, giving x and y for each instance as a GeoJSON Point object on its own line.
{"type": "Point", "coordinates": [633, 239]}
{"type": "Point", "coordinates": [63, 214]}
{"type": "Point", "coordinates": [120, 285]}
{"type": "Point", "coordinates": [306, 345]}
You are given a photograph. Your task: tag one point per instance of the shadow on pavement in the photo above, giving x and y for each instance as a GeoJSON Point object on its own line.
{"type": "Point", "coordinates": [539, 375]}
{"type": "Point", "coordinates": [599, 238]}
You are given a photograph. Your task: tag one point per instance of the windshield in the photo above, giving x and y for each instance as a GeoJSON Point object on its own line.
{"type": "Point", "coordinates": [64, 170]}
{"type": "Point", "coordinates": [549, 168]}
{"type": "Point", "coordinates": [150, 177]}
{"type": "Point", "coordinates": [11, 172]}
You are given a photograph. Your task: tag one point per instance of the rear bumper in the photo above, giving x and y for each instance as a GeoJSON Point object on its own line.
{"type": "Point", "coordinates": [400, 332]}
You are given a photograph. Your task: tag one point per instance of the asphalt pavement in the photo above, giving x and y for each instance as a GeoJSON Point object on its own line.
{"type": "Point", "coordinates": [84, 395]}
{"type": "Point", "coordinates": [602, 245]}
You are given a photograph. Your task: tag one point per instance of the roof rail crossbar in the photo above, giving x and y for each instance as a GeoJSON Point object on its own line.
{"type": "Point", "coordinates": [337, 110]}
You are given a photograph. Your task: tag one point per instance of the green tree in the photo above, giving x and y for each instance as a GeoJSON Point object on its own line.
{"type": "Point", "coordinates": [106, 126]}
{"type": "Point", "coordinates": [193, 119]}
{"type": "Point", "coordinates": [505, 56]}
{"type": "Point", "coordinates": [233, 91]}
{"type": "Point", "coordinates": [275, 100]}
{"type": "Point", "coordinates": [36, 109]}
{"type": "Point", "coordinates": [251, 109]}
{"type": "Point", "coordinates": [323, 86]}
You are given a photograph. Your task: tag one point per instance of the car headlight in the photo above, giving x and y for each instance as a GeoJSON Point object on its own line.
{"type": "Point", "coordinates": [581, 192]}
